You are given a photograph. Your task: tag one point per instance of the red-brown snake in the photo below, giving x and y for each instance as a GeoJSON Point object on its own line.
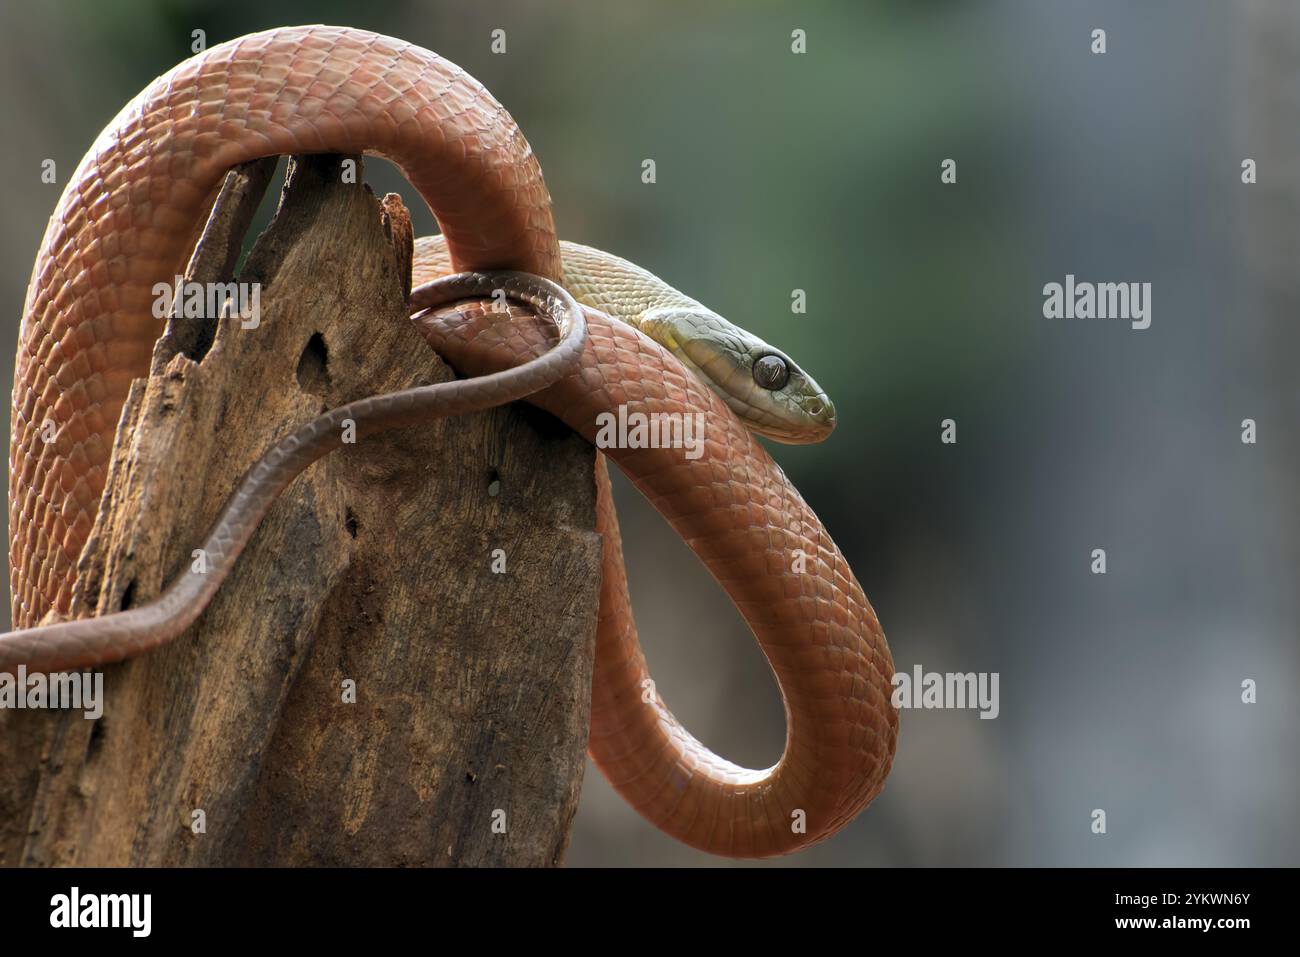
{"type": "Point", "coordinates": [123, 224]}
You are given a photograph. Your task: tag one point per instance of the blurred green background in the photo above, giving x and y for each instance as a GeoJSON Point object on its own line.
{"type": "Point", "coordinates": [821, 172]}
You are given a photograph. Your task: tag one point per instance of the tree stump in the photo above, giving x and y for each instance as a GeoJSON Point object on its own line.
{"type": "Point", "coordinates": [449, 573]}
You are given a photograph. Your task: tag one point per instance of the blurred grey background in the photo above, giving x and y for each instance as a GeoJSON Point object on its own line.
{"type": "Point", "coordinates": [821, 172]}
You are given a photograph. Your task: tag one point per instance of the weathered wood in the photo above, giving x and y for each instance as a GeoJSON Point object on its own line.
{"type": "Point", "coordinates": [375, 567]}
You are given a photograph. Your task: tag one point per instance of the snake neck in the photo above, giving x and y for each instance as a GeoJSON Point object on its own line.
{"type": "Point", "coordinates": [620, 288]}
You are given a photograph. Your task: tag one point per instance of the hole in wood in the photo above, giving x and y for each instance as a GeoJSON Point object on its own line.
{"type": "Point", "coordinates": [128, 596]}
{"type": "Point", "coordinates": [96, 741]}
{"type": "Point", "coordinates": [313, 366]}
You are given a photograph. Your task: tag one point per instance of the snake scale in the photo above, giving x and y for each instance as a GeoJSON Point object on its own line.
{"type": "Point", "coordinates": [123, 224]}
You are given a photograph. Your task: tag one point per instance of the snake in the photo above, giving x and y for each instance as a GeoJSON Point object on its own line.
{"type": "Point", "coordinates": [615, 336]}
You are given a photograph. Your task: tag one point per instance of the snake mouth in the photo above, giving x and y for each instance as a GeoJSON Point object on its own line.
{"type": "Point", "coordinates": [820, 423]}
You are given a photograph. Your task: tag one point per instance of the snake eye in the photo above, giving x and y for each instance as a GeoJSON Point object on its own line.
{"type": "Point", "coordinates": [771, 372]}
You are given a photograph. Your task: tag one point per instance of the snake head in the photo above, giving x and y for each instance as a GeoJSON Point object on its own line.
{"type": "Point", "coordinates": [766, 389]}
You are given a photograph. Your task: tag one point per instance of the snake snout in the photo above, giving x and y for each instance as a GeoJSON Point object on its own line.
{"type": "Point", "coordinates": [822, 412]}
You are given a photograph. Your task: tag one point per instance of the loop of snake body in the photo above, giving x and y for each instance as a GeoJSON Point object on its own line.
{"type": "Point", "coordinates": [123, 224]}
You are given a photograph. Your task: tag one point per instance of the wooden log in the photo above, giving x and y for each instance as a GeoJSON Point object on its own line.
{"type": "Point", "coordinates": [399, 669]}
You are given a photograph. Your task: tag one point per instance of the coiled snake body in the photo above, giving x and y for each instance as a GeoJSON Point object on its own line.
{"type": "Point", "coordinates": [123, 224]}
